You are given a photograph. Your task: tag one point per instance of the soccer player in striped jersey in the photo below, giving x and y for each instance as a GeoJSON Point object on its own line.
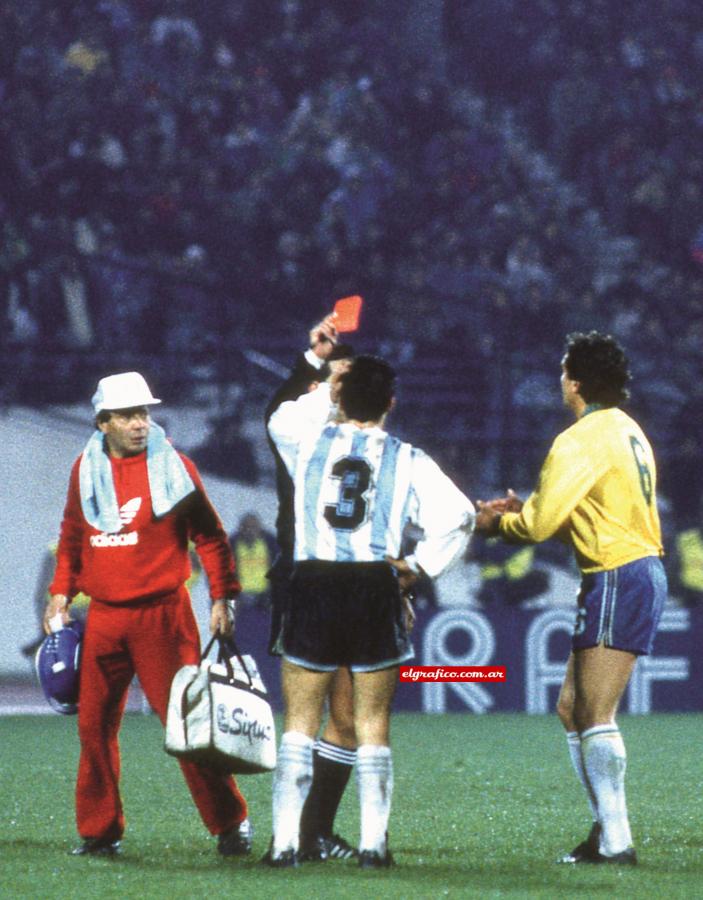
{"type": "Point", "coordinates": [597, 490]}
{"type": "Point", "coordinates": [356, 488]}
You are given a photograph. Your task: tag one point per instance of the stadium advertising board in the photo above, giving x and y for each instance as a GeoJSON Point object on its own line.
{"type": "Point", "coordinates": [533, 645]}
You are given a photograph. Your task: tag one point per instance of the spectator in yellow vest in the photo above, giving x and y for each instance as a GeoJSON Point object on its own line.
{"type": "Point", "coordinates": [688, 576]}
{"type": "Point", "coordinates": [254, 550]}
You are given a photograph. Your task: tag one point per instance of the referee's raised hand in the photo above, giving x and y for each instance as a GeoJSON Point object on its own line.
{"type": "Point", "coordinates": [323, 337]}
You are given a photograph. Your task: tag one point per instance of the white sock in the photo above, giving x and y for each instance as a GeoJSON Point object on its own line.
{"type": "Point", "coordinates": [291, 783]}
{"type": "Point", "coordinates": [374, 777]}
{"type": "Point", "coordinates": [574, 743]}
{"type": "Point", "coordinates": [605, 761]}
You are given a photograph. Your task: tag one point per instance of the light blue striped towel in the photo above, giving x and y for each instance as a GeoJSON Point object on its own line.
{"type": "Point", "coordinates": [169, 481]}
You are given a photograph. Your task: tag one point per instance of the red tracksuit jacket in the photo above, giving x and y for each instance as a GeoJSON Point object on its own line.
{"type": "Point", "coordinates": [148, 556]}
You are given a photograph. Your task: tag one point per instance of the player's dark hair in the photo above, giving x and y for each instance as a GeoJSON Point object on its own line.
{"type": "Point", "coordinates": [341, 351]}
{"type": "Point", "coordinates": [599, 364]}
{"type": "Point", "coordinates": [366, 390]}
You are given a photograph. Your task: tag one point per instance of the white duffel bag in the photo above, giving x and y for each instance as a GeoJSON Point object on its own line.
{"type": "Point", "coordinates": [219, 714]}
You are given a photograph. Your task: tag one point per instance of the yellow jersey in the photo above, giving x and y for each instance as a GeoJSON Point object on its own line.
{"type": "Point", "coordinates": [597, 488]}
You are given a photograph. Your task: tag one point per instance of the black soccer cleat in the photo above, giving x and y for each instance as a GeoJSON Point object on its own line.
{"type": "Point", "coordinates": [314, 850]}
{"type": "Point", "coordinates": [587, 851]}
{"type": "Point", "coordinates": [97, 847]}
{"type": "Point", "coordinates": [624, 858]}
{"type": "Point", "coordinates": [371, 859]}
{"type": "Point", "coordinates": [237, 841]}
{"type": "Point", "coordinates": [322, 848]}
{"type": "Point", "coordinates": [289, 859]}
{"type": "Point", "coordinates": [338, 848]}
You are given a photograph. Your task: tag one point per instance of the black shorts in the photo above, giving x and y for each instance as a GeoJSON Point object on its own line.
{"type": "Point", "coordinates": [345, 614]}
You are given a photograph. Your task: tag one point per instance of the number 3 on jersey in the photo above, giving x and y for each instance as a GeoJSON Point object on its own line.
{"type": "Point", "coordinates": [354, 477]}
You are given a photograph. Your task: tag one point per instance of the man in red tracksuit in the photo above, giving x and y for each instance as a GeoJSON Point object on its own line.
{"type": "Point", "coordinates": [133, 505]}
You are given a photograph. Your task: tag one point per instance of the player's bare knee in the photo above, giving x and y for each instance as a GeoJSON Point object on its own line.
{"type": "Point", "coordinates": [588, 715]}
{"type": "Point", "coordinates": [375, 733]}
{"type": "Point", "coordinates": [340, 724]}
{"type": "Point", "coordinates": [565, 711]}
{"type": "Point", "coordinates": [340, 731]}
{"type": "Point", "coordinates": [372, 725]}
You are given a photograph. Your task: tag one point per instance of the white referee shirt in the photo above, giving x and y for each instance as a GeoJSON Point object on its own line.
{"type": "Point", "coordinates": [357, 488]}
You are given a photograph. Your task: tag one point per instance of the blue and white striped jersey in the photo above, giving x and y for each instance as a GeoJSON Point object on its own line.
{"type": "Point", "coordinates": [357, 488]}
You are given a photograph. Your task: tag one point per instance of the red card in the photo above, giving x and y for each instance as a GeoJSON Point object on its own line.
{"type": "Point", "coordinates": [347, 312]}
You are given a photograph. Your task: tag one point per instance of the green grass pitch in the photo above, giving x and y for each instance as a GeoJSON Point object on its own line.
{"type": "Point", "coordinates": [482, 807]}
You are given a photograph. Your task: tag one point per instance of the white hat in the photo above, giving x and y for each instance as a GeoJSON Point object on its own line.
{"type": "Point", "coordinates": [122, 392]}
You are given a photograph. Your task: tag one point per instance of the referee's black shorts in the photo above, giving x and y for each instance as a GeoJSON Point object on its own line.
{"type": "Point", "coordinates": [279, 576]}
{"type": "Point", "coordinates": [345, 614]}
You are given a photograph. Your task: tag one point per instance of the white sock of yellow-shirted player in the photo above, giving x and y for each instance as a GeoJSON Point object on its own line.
{"type": "Point", "coordinates": [573, 741]}
{"type": "Point", "coordinates": [605, 762]}
{"type": "Point", "coordinates": [291, 783]}
{"type": "Point", "coordinates": [374, 776]}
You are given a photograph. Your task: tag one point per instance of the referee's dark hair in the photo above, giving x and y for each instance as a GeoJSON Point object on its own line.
{"type": "Point", "coordinates": [599, 364]}
{"type": "Point", "coordinates": [367, 389]}
{"type": "Point", "coordinates": [339, 351]}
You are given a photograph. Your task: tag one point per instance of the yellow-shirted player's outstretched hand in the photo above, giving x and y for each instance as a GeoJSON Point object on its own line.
{"type": "Point", "coordinates": [490, 511]}
{"type": "Point", "coordinates": [510, 503]}
{"type": "Point", "coordinates": [487, 518]}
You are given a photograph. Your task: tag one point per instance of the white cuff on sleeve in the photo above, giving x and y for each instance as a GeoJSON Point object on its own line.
{"type": "Point", "coordinates": [314, 359]}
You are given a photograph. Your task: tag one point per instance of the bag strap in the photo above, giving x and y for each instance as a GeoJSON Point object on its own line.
{"type": "Point", "coordinates": [207, 650]}
{"type": "Point", "coordinates": [228, 643]}
{"type": "Point", "coordinates": [225, 644]}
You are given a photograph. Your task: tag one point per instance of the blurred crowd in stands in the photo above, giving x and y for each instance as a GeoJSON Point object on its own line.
{"type": "Point", "coordinates": [180, 178]}
{"type": "Point", "coordinates": [612, 96]}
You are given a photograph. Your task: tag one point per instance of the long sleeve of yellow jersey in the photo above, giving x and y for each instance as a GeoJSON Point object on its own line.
{"type": "Point", "coordinates": [566, 477]}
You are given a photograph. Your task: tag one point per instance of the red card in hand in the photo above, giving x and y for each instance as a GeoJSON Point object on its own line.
{"type": "Point", "coordinates": [347, 312]}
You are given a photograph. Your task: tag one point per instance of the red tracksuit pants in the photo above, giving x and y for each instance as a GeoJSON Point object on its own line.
{"type": "Point", "coordinates": [152, 639]}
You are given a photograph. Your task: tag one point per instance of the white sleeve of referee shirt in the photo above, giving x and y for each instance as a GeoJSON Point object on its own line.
{"type": "Point", "coordinates": [445, 515]}
{"type": "Point", "coordinates": [295, 420]}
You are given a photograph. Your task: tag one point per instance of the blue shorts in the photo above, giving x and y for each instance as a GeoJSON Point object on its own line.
{"type": "Point", "coordinates": [621, 607]}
